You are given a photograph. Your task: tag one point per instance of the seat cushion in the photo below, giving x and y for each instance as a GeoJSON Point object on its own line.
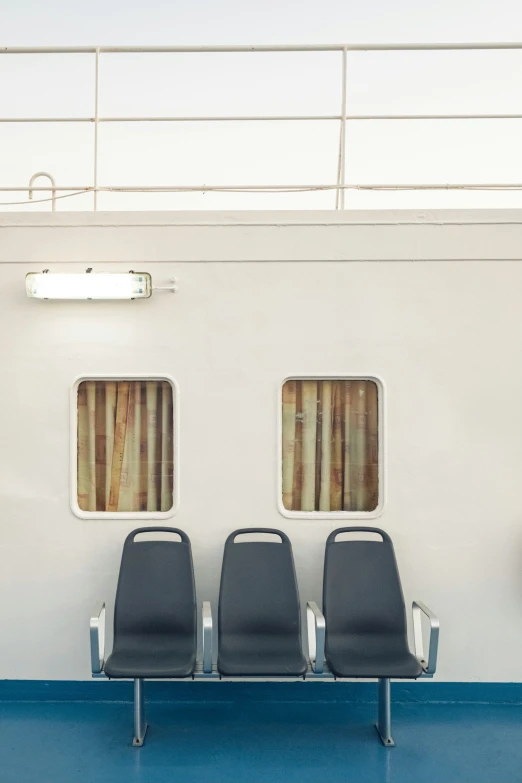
{"type": "Point", "coordinates": [283, 663]}
{"type": "Point", "coordinates": [372, 657]}
{"type": "Point", "coordinates": [151, 659]}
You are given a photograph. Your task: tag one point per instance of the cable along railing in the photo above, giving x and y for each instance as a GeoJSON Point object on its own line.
{"type": "Point", "coordinates": [338, 187]}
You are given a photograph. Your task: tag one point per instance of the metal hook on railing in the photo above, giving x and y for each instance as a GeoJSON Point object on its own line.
{"type": "Point", "coordinates": [53, 186]}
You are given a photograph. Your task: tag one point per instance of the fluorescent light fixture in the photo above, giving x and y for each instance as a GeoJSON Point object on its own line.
{"type": "Point", "coordinates": [88, 285]}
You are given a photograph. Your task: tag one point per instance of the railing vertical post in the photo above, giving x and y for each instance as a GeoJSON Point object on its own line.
{"type": "Point", "coordinates": [339, 198]}
{"type": "Point", "coordinates": [96, 83]}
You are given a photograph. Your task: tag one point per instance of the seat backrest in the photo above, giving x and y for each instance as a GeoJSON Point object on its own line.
{"type": "Point", "coordinates": [362, 592]}
{"type": "Point", "coordinates": [156, 592]}
{"type": "Point", "coordinates": [258, 594]}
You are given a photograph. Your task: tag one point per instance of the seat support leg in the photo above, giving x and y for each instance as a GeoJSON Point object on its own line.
{"type": "Point", "coordinates": [383, 724]}
{"type": "Point", "coordinates": [140, 727]}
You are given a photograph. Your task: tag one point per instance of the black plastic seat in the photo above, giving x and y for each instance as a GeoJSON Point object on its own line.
{"type": "Point", "coordinates": [259, 614]}
{"type": "Point", "coordinates": [155, 609]}
{"type": "Point", "coordinates": [363, 605]}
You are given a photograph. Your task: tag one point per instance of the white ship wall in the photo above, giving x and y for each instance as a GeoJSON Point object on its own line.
{"type": "Point", "coordinates": [430, 303]}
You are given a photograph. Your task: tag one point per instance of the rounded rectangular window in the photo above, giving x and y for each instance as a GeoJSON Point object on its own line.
{"type": "Point", "coordinates": [330, 445]}
{"type": "Point", "coordinates": [125, 446]}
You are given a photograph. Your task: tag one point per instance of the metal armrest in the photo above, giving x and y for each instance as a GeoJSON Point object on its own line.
{"type": "Point", "coordinates": [316, 635]}
{"type": "Point", "coordinates": [97, 631]}
{"type": "Point", "coordinates": [206, 622]}
{"type": "Point", "coordinates": [430, 665]}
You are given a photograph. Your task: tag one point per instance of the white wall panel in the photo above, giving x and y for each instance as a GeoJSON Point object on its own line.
{"type": "Point", "coordinates": [444, 335]}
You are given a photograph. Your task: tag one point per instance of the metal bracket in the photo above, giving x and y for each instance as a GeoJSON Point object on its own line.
{"type": "Point", "coordinates": [430, 665]}
{"type": "Point", "coordinates": [97, 635]}
{"type": "Point", "coordinates": [172, 287]}
{"type": "Point", "coordinates": [206, 622]}
{"type": "Point", "coordinates": [316, 625]}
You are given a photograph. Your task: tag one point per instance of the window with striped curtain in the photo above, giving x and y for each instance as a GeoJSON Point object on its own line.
{"type": "Point", "coordinates": [125, 446]}
{"type": "Point", "coordinates": [330, 442]}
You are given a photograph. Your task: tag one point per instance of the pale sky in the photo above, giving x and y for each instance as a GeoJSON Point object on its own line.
{"type": "Point", "coordinates": [245, 84]}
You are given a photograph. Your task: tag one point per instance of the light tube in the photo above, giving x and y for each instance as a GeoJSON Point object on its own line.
{"type": "Point", "coordinates": [88, 285]}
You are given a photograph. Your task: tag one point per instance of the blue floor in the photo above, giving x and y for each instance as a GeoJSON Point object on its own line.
{"type": "Point", "coordinates": [258, 741]}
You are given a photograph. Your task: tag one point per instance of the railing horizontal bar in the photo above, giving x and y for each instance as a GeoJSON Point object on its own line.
{"type": "Point", "coordinates": [175, 119]}
{"type": "Point", "coordinates": [313, 117]}
{"type": "Point", "coordinates": [434, 116]}
{"type": "Point", "coordinates": [231, 118]}
{"type": "Point", "coordinates": [362, 47]}
{"type": "Point", "coordinates": [36, 188]}
{"type": "Point", "coordinates": [208, 188]}
{"type": "Point", "coordinates": [47, 49]}
{"type": "Point", "coordinates": [272, 118]}
{"type": "Point", "coordinates": [275, 188]}
{"type": "Point", "coordinates": [46, 119]}
{"type": "Point", "coordinates": [439, 186]}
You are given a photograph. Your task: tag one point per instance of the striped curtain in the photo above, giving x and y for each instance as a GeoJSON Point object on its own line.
{"type": "Point", "coordinates": [125, 446]}
{"type": "Point", "coordinates": [330, 445]}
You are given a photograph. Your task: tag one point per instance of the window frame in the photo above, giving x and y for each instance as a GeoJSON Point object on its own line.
{"type": "Point", "coordinates": [80, 513]}
{"type": "Point", "coordinates": [334, 516]}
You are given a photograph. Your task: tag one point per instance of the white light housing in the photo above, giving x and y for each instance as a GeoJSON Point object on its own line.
{"type": "Point", "coordinates": [88, 285]}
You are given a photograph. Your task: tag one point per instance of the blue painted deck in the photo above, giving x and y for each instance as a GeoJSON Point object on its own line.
{"type": "Point", "coordinates": [238, 735]}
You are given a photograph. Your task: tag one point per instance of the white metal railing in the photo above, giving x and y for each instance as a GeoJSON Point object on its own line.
{"type": "Point", "coordinates": [340, 186]}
